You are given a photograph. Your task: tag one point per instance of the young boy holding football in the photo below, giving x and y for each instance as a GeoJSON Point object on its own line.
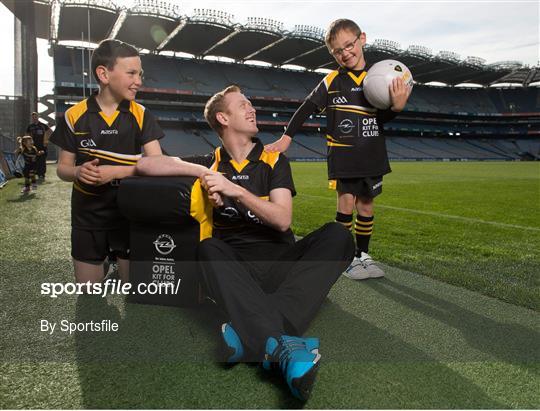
{"type": "Point", "coordinates": [357, 157]}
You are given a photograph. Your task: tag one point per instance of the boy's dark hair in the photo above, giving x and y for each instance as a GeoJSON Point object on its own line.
{"type": "Point", "coordinates": [108, 51]}
{"type": "Point", "coordinates": [215, 104]}
{"type": "Point", "coordinates": [339, 25]}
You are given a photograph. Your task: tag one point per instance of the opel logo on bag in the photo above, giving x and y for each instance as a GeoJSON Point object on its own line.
{"type": "Point", "coordinates": [164, 244]}
{"type": "Point", "coordinates": [339, 100]}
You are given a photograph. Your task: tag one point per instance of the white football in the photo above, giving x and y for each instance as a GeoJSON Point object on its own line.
{"type": "Point", "coordinates": [378, 80]}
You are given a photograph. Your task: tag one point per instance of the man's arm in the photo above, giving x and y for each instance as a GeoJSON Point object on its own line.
{"type": "Point", "coordinates": [46, 136]}
{"type": "Point", "coordinates": [276, 212]}
{"type": "Point", "coordinates": [109, 172]}
{"type": "Point", "coordinates": [168, 166]}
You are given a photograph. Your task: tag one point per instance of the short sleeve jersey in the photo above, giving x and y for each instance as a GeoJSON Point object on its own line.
{"type": "Point", "coordinates": [260, 173]}
{"type": "Point", "coordinates": [37, 131]}
{"type": "Point", "coordinates": [116, 140]}
{"type": "Point", "coordinates": [356, 146]}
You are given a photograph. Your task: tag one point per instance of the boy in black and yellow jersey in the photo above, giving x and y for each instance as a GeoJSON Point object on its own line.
{"type": "Point", "coordinates": [270, 286]}
{"type": "Point", "coordinates": [357, 157]}
{"type": "Point", "coordinates": [102, 138]}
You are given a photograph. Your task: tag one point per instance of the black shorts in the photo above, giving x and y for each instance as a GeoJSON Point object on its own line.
{"type": "Point", "coordinates": [93, 247]}
{"type": "Point", "coordinates": [364, 187]}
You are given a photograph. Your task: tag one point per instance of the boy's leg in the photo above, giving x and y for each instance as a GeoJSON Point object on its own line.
{"type": "Point", "coordinates": [364, 224]}
{"type": "Point", "coordinates": [345, 207]}
{"type": "Point", "coordinates": [85, 271]}
{"type": "Point", "coordinates": [89, 250]}
{"type": "Point", "coordinates": [312, 267]}
{"type": "Point", "coordinates": [233, 287]}
{"type": "Point", "coordinates": [363, 231]}
{"type": "Point", "coordinates": [123, 269]}
{"type": "Point", "coordinates": [33, 178]}
{"type": "Point", "coordinates": [118, 244]}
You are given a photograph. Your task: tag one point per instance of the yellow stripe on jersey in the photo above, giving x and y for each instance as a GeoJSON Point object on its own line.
{"type": "Point", "coordinates": [355, 107]}
{"type": "Point", "coordinates": [269, 158]}
{"type": "Point", "coordinates": [138, 111]}
{"type": "Point", "coordinates": [329, 78]}
{"type": "Point", "coordinates": [239, 166]}
{"type": "Point", "coordinates": [217, 159]}
{"type": "Point", "coordinates": [114, 160]}
{"type": "Point", "coordinates": [201, 210]}
{"type": "Point", "coordinates": [358, 79]}
{"type": "Point", "coordinates": [74, 113]}
{"type": "Point", "coordinates": [109, 155]}
{"type": "Point", "coordinates": [330, 142]}
{"type": "Point", "coordinates": [352, 111]}
{"type": "Point", "coordinates": [77, 187]}
{"type": "Point", "coordinates": [109, 119]}
{"type": "Point", "coordinates": [265, 198]}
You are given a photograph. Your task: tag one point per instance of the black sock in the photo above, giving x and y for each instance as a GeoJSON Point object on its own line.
{"type": "Point", "coordinates": [363, 229]}
{"type": "Point", "coordinates": [345, 219]}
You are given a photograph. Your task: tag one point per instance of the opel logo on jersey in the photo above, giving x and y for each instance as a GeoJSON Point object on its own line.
{"type": "Point", "coordinates": [164, 244]}
{"type": "Point", "coordinates": [346, 126]}
{"type": "Point", "coordinates": [339, 100]}
{"type": "Point", "coordinates": [88, 143]}
{"type": "Point", "coordinates": [230, 212]}
{"type": "Point", "coordinates": [109, 132]}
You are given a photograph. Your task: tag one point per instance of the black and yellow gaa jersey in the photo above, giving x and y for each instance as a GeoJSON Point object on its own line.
{"type": "Point", "coordinates": [356, 146]}
{"type": "Point", "coordinates": [260, 173]}
{"type": "Point", "coordinates": [116, 140]}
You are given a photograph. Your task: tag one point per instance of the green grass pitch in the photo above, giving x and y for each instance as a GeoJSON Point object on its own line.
{"type": "Point", "coordinates": [454, 324]}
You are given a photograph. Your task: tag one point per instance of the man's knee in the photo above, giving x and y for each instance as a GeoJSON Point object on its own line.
{"type": "Point", "coordinates": [338, 237]}
{"type": "Point", "coordinates": [208, 248]}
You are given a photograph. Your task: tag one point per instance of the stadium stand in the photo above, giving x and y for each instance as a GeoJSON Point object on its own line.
{"type": "Point", "coordinates": [440, 123]}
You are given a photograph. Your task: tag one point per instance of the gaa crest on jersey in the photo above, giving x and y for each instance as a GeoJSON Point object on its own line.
{"type": "Point", "coordinates": [340, 100]}
{"type": "Point", "coordinates": [88, 143]}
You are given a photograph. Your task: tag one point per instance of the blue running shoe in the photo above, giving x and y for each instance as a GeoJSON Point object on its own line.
{"type": "Point", "coordinates": [298, 363]}
{"type": "Point", "coordinates": [311, 343]}
{"type": "Point", "coordinates": [233, 343]}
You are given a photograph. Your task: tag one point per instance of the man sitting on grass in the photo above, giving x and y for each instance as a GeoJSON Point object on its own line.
{"type": "Point", "coordinates": [270, 286]}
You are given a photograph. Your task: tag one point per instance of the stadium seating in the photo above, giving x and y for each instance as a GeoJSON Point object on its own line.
{"type": "Point", "coordinates": [439, 122]}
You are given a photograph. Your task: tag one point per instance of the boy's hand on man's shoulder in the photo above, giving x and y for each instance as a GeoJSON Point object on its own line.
{"type": "Point", "coordinates": [280, 145]}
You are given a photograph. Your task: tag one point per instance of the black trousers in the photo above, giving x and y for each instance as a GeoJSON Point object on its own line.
{"type": "Point", "coordinates": [41, 163]}
{"type": "Point", "coordinates": [273, 289]}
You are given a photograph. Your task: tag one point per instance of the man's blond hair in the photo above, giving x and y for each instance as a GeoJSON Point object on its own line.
{"type": "Point", "coordinates": [216, 104]}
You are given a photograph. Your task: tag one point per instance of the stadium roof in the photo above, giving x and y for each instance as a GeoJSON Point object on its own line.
{"type": "Point", "coordinates": [160, 26]}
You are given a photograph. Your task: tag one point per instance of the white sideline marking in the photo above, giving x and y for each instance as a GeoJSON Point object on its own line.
{"type": "Point", "coordinates": [432, 213]}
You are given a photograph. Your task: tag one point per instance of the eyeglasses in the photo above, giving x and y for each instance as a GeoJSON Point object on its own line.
{"type": "Point", "coordinates": [348, 47]}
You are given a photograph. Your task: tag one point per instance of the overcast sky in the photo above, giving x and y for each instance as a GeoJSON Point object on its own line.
{"type": "Point", "coordinates": [492, 30]}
